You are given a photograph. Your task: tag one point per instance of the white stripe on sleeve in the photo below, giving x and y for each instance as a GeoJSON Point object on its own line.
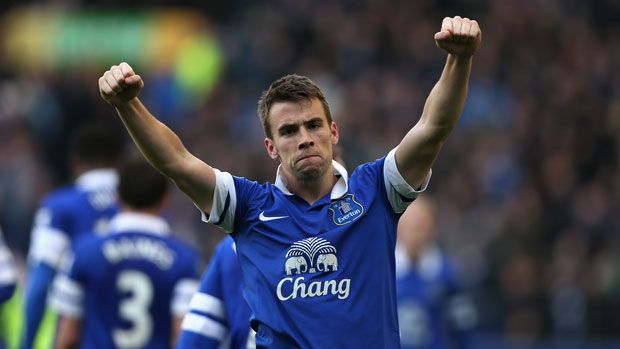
{"type": "Point", "coordinates": [224, 191]}
{"type": "Point", "coordinates": [66, 297]}
{"type": "Point", "coordinates": [208, 304]}
{"type": "Point", "coordinates": [183, 292]}
{"type": "Point", "coordinates": [204, 326]}
{"type": "Point", "coordinates": [8, 273]}
{"type": "Point", "coordinates": [48, 245]}
{"type": "Point", "coordinates": [397, 187]}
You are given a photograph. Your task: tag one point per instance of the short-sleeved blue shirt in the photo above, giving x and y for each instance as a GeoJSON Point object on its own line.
{"type": "Point", "coordinates": [320, 275]}
{"type": "Point", "coordinates": [67, 213]}
{"type": "Point", "coordinates": [127, 286]}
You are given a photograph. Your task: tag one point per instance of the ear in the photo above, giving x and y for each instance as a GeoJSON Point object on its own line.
{"type": "Point", "coordinates": [271, 149]}
{"type": "Point", "coordinates": [334, 132]}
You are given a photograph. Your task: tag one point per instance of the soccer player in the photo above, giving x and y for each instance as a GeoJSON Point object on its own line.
{"type": "Point", "coordinates": [218, 315]}
{"type": "Point", "coordinates": [9, 298]}
{"type": "Point", "coordinates": [8, 273]}
{"type": "Point", "coordinates": [433, 310]}
{"type": "Point", "coordinates": [131, 287]}
{"type": "Point", "coordinates": [317, 247]}
{"type": "Point", "coordinates": [64, 215]}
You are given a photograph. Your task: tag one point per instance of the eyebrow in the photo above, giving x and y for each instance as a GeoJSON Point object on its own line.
{"type": "Point", "coordinates": [289, 125]}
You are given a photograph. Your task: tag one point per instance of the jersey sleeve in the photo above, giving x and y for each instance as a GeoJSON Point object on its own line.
{"type": "Point", "coordinates": [49, 243]}
{"type": "Point", "coordinates": [231, 199]}
{"type": "Point", "coordinates": [186, 286]}
{"type": "Point", "coordinates": [224, 202]}
{"type": "Point", "coordinates": [206, 323]}
{"type": "Point", "coordinates": [8, 273]}
{"type": "Point", "coordinates": [67, 293]}
{"type": "Point", "coordinates": [400, 194]}
{"type": "Point", "coordinates": [49, 237]}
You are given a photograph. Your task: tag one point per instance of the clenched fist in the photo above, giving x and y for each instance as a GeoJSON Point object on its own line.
{"type": "Point", "coordinates": [120, 85]}
{"type": "Point", "coordinates": [459, 36]}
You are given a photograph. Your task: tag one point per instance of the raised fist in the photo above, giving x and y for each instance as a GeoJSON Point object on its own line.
{"type": "Point", "coordinates": [120, 85]}
{"type": "Point", "coordinates": [459, 36]}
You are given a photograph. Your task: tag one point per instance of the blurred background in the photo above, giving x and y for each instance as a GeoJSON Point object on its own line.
{"type": "Point", "coordinates": [527, 187]}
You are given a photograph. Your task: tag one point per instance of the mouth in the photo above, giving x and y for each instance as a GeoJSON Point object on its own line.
{"type": "Point", "coordinates": [306, 157]}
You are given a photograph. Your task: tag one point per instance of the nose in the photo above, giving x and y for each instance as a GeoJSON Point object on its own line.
{"type": "Point", "coordinates": [305, 139]}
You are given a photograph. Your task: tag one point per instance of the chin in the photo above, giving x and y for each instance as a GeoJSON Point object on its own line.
{"type": "Point", "coordinates": [310, 173]}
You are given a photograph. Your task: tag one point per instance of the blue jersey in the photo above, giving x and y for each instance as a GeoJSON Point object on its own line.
{"type": "Point", "coordinates": [128, 286]}
{"type": "Point", "coordinates": [219, 316]}
{"type": "Point", "coordinates": [320, 275]}
{"type": "Point", "coordinates": [64, 215]}
{"type": "Point", "coordinates": [68, 212]}
{"type": "Point", "coordinates": [433, 310]}
{"type": "Point", "coordinates": [8, 272]}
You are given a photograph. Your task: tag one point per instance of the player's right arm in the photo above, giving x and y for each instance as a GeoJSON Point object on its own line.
{"type": "Point", "coordinates": [120, 87]}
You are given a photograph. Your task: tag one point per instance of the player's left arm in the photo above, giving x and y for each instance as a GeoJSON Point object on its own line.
{"type": "Point", "coordinates": [416, 153]}
{"type": "Point", "coordinates": [68, 336]}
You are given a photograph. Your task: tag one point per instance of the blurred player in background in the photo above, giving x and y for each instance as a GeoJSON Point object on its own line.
{"type": "Point", "coordinates": [219, 316]}
{"type": "Point", "coordinates": [8, 284]}
{"type": "Point", "coordinates": [8, 272]}
{"type": "Point", "coordinates": [317, 247]}
{"type": "Point", "coordinates": [64, 215]}
{"type": "Point", "coordinates": [131, 287]}
{"type": "Point", "coordinates": [433, 310]}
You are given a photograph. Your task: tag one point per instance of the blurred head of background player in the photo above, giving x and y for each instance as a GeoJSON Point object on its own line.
{"type": "Point", "coordinates": [141, 188]}
{"type": "Point", "coordinates": [416, 227]}
{"type": "Point", "coordinates": [96, 145]}
{"type": "Point", "coordinates": [140, 238]}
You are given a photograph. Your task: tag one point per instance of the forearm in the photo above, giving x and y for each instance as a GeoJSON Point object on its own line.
{"type": "Point", "coordinates": [419, 148]}
{"type": "Point", "coordinates": [41, 277]}
{"type": "Point", "coordinates": [68, 336]}
{"type": "Point", "coordinates": [444, 104]}
{"type": "Point", "coordinates": [161, 147]}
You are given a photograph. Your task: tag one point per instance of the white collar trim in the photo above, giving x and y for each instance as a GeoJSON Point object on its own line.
{"type": "Point", "coordinates": [338, 191]}
{"type": "Point", "coordinates": [142, 222]}
{"type": "Point", "coordinates": [98, 179]}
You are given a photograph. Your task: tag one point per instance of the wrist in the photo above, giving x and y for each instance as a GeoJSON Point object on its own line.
{"type": "Point", "coordinates": [125, 106]}
{"type": "Point", "coordinates": [458, 59]}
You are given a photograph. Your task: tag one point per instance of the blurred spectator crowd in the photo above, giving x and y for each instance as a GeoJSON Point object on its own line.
{"type": "Point", "coordinates": [527, 187]}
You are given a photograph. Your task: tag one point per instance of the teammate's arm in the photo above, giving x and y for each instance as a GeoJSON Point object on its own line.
{"type": "Point", "coordinates": [176, 329]}
{"type": "Point", "coordinates": [68, 336]}
{"type": "Point", "coordinates": [8, 274]}
{"type": "Point", "coordinates": [120, 87]}
{"type": "Point", "coordinates": [40, 280]}
{"type": "Point", "coordinates": [459, 37]}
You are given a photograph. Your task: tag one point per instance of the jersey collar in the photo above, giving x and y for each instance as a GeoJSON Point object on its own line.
{"type": "Point", "coordinates": [338, 191]}
{"type": "Point", "coordinates": [101, 178]}
{"type": "Point", "coordinates": [141, 222]}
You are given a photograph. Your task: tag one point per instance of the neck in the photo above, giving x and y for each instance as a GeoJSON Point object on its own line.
{"type": "Point", "coordinates": [313, 189]}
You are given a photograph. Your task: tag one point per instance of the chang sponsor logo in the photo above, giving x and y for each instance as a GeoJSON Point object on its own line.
{"type": "Point", "coordinates": [311, 256]}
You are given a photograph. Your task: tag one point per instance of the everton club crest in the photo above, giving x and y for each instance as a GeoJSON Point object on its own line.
{"type": "Point", "coordinates": [346, 210]}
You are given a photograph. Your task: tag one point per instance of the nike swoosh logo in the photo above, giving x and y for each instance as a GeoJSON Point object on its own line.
{"type": "Point", "coordinates": [264, 218]}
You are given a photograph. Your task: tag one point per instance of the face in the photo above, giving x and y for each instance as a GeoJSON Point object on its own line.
{"type": "Point", "coordinates": [302, 138]}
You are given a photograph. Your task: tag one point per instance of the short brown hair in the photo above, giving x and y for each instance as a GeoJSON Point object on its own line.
{"type": "Point", "coordinates": [140, 186]}
{"type": "Point", "coordinates": [289, 88]}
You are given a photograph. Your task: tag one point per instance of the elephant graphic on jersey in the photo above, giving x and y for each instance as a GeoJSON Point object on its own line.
{"type": "Point", "coordinates": [297, 263]}
{"type": "Point", "coordinates": [326, 260]}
